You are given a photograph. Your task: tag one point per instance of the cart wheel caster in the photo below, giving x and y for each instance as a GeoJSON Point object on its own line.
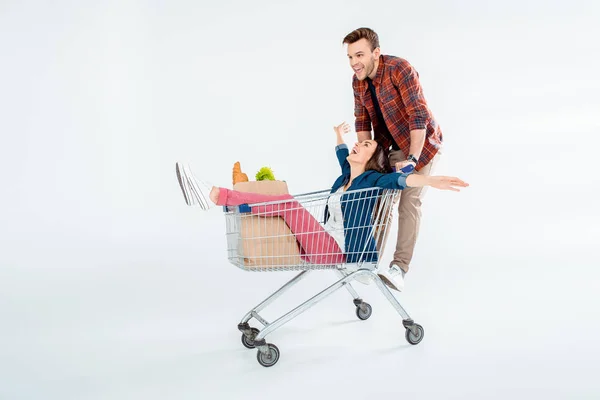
{"type": "Point", "coordinates": [363, 311]}
{"type": "Point", "coordinates": [269, 359]}
{"type": "Point", "coordinates": [248, 342]}
{"type": "Point", "coordinates": [412, 338]}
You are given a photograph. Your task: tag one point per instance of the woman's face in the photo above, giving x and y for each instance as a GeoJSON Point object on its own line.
{"type": "Point", "coordinates": [362, 152]}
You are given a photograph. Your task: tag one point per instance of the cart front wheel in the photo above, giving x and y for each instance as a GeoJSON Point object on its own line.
{"type": "Point", "coordinates": [269, 359]}
{"type": "Point", "coordinates": [415, 338]}
{"type": "Point", "coordinates": [248, 342]}
{"type": "Point", "coordinates": [363, 311]}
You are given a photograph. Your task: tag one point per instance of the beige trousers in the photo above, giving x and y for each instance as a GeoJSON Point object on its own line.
{"type": "Point", "coordinates": [409, 213]}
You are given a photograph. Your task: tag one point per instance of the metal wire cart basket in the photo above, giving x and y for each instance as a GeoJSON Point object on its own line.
{"type": "Point", "coordinates": [259, 239]}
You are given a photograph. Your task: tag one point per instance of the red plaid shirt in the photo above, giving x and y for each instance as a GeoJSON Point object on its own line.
{"type": "Point", "coordinates": [402, 104]}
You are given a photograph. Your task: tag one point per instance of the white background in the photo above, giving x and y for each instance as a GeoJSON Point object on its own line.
{"type": "Point", "coordinates": [111, 288]}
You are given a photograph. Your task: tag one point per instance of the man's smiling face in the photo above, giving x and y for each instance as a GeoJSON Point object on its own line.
{"type": "Point", "coordinates": [363, 59]}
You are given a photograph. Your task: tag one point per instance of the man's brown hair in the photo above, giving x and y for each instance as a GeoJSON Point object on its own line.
{"type": "Point", "coordinates": [362, 33]}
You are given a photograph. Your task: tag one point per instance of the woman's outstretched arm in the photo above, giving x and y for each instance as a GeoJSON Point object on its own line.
{"type": "Point", "coordinates": [439, 182]}
{"type": "Point", "coordinates": [399, 180]}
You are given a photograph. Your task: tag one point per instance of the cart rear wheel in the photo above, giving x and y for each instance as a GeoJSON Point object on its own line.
{"type": "Point", "coordinates": [269, 359]}
{"type": "Point", "coordinates": [363, 311]}
{"type": "Point", "coordinates": [415, 338]}
{"type": "Point", "coordinates": [248, 342]}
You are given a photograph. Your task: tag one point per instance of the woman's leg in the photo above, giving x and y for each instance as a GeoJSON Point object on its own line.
{"type": "Point", "coordinates": [320, 247]}
{"type": "Point", "coordinates": [228, 197]}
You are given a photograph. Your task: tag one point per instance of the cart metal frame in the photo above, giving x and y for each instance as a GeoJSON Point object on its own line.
{"type": "Point", "coordinates": [264, 214]}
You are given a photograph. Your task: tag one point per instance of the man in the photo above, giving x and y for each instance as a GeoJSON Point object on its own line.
{"type": "Point", "coordinates": [388, 96]}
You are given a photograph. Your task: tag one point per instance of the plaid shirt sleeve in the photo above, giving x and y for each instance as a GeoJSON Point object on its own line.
{"type": "Point", "coordinates": [341, 151]}
{"type": "Point", "coordinates": [362, 120]}
{"type": "Point", "coordinates": [406, 79]}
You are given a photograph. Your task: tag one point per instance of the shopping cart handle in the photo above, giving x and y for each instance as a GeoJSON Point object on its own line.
{"type": "Point", "coordinates": [242, 208]}
{"type": "Point", "coordinates": [409, 168]}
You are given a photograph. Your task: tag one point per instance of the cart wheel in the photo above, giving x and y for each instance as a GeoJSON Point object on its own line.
{"type": "Point", "coordinates": [363, 315]}
{"type": "Point", "coordinates": [248, 342]}
{"type": "Point", "coordinates": [270, 359]}
{"type": "Point", "coordinates": [412, 338]}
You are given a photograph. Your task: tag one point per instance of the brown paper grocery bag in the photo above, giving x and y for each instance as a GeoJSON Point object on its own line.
{"type": "Point", "coordinates": [266, 242]}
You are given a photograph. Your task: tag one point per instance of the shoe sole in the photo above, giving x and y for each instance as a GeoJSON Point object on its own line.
{"type": "Point", "coordinates": [389, 283]}
{"type": "Point", "coordinates": [181, 185]}
{"type": "Point", "coordinates": [199, 197]}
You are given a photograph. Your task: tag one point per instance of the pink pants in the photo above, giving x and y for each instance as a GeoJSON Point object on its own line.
{"type": "Point", "coordinates": [317, 245]}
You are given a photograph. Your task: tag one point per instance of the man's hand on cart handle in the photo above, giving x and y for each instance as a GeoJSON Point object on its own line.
{"type": "Point", "coordinates": [406, 169]}
{"type": "Point", "coordinates": [405, 166]}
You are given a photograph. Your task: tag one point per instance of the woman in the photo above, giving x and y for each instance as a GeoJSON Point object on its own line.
{"type": "Point", "coordinates": [366, 166]}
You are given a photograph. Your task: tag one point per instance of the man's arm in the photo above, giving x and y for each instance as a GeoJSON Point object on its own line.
{"type": "Point", "coordinates": [407, 81]}
{"type": "Point", "coordinates": [417, 141]}
{"type": "Point", "coordinates": [362, 122]}
{"type": "Point", "coordinates": [364, 135]}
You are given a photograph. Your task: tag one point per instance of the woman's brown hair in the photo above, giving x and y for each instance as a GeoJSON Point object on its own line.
{"type": "Point", "coordinates": [379, 161]}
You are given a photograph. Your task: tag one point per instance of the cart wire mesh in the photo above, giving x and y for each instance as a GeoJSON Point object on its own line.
{"type": "Point", "coordinates": [298, 234]}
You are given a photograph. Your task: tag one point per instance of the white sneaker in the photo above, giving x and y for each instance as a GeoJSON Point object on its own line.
{"type": "Point", "coordinates": [195, 192]}
{"type": "Point", "coordinates": [393, 277]}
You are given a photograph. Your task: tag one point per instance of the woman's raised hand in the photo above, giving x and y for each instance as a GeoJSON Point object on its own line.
{"type": "Point", "coordinates": [342, 128]}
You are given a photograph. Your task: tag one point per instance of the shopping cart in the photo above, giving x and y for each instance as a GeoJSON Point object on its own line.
{"type": "Point", "coordinates": [259, 240]}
